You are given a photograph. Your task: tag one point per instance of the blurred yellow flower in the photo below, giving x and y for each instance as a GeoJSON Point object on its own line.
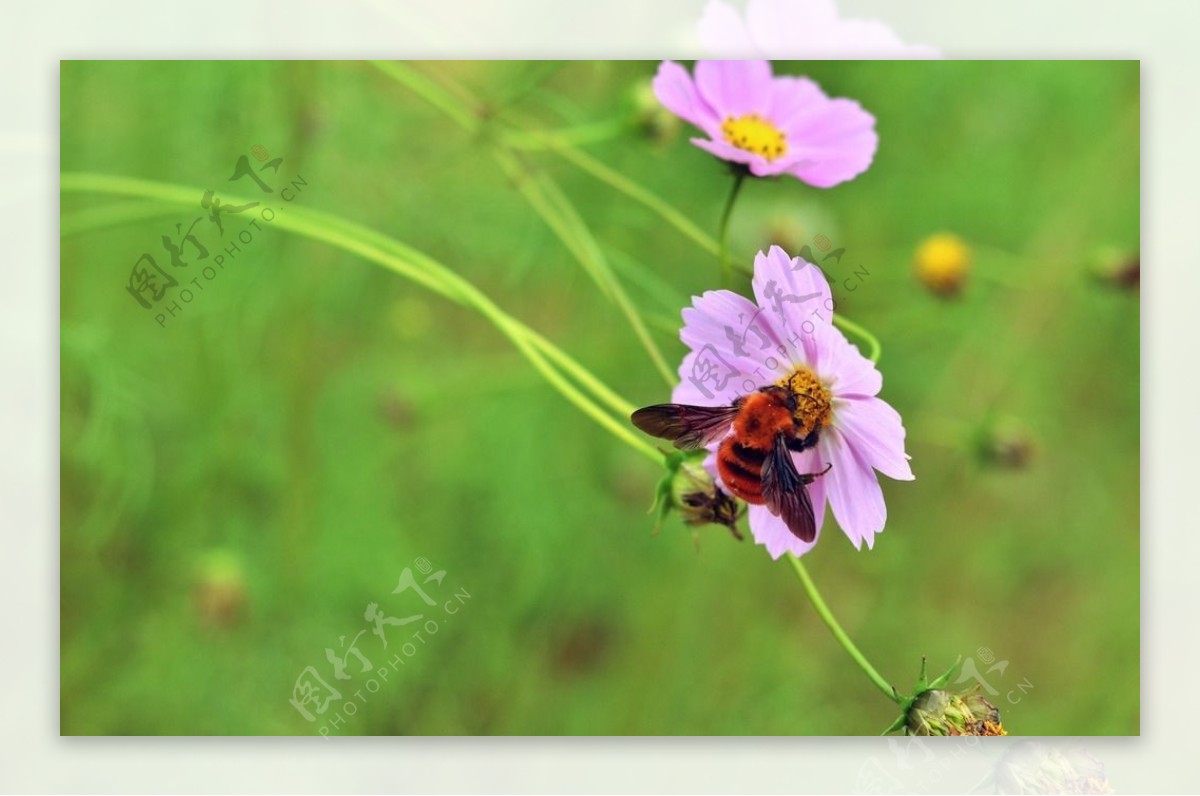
{"type": "Point", "coordinates": [942, 262]}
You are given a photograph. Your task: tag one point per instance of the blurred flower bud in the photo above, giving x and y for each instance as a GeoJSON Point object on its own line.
{"type": "Point", "coordinates": [1035, 767]}
{"type": "Point", "coordinates": [220, 589]}
{"type": "Point", "coordinates": [1117, 268]}
{"type": "Point", "coordinates": [700, 501]}
{"type": "Point", "coordinates": [1007, 443]}
{"type": "Point", "coordinates": [652, 119]}
{"type": "Point", "coordinates": [691, 490]}
{"type": "Point", "coordinates": [939, 712]}
{"type": "Point", "coordinates": [786, 231]}
{"type": "Point", "coordinates": [941, 264]}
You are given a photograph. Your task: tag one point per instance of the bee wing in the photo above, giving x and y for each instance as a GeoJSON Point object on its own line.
{"type": "Point", "coordinates": [689, 427]}
{"type": "Point", "coordinates": [784, 493]}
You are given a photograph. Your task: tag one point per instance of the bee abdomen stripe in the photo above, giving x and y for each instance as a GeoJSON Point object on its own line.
{"type": "Point", "coordinates": [750, 456]}
{"type": "Point", "coordinates": [740, 469]}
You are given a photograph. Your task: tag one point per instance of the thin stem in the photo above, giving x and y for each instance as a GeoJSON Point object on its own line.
{"type": "Point", "coordinates": [552, 140]}
{"type": "Point", "coordinates": [632, 190]}
{"type": "Point", "coordinates": [113, 215]}
{"type": "Point", "coordinates": [544, 195]}
{"type": "Point", "coordinates": [827, 617]}
{"type": "Point", "coordinates": [358, 240]}
{"type": "Point", "coordinates": [459, 109]}
{"type": "Point", "coordinates": [862, 333]}
{"type": "Point", "coordinates": [723, 229]}
{"type": "Point", "coordinates": [429, 91]}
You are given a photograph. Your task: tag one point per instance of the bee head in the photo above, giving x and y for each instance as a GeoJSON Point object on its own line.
{"type": "Point", "coordinates": [781, 395]}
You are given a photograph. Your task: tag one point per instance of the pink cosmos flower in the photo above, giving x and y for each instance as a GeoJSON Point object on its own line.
{"type": "Point", "coordinates": [770, 125]}
{"type": "Point", "coordinates": [788, 337]}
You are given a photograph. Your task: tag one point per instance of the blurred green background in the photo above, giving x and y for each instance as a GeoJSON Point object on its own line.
{"type": "Point", "coordinates": [237, 486]}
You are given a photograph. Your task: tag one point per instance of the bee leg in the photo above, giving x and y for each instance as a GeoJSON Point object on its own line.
{"type": "Point", "coordinates": [810, 477]}
{"type": "Point", "coordinates": [800, 445]}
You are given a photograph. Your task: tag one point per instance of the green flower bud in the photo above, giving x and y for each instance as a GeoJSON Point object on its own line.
{"type": "Point", "coordinates": [1007, 443]}
{"type": "Point", "coordinates": [690, 490]}
{"type": "Point", "coordinates": [1120, 269]}
{"type": "Point", "coordinates": [700, 501]}
{"type": "Point", "coordinates": [651, 118]}
{"type": "Point", "coordinates": [939, 712]}
{"type": "Point", "coordinates": [219, 589]}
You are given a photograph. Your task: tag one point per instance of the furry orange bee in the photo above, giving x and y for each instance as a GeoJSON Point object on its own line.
{"type": "Point", "coordinates": [755, 458]}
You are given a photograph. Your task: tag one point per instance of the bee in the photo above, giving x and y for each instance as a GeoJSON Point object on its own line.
{"type": "Point", "coordinates": [755, 459]}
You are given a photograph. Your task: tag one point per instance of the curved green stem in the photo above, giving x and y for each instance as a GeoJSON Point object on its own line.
{"type": "Point", "coordinates": [418, 267]}
{"type": "Point", "coordinates": [549, 202]}
{"type": "Point", "coordinates": [723, 229]}
{"type": "Point", "coordinates": [634, 191]}
{"type": "Point", "coordinates": [561, 143]}
{"type": "Point", "coordinates": [566, 137]}
{"type": "Point", "coordinates": [113, 215]}
{"type": "Point", "coordinates": [862, 333]}
{"type": "Point", "coordinates": [429, 91]}
{"type": "Point", "coordinates": [827, 617]}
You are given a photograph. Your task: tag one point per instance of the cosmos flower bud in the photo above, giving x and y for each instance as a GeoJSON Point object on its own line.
{"type": "Point", "coordinates": [1007, 443]}
{"type": "Point", "coordinates": [690, 489]}
{"type": "Point", "coordinates": [220, 589]}
{"type": "Point", "coordinates": [700, 501]}
{"type": "Point", "coordinates": [941, 263]}
{"type": "Point", "coordinates": [1119, 269]}
{"type": "Point", "coordinates": [785, 231]}
{"type": "Point", "coordinates": [939, 712]}
{"type": "Point", "coordinates": [651, 118]}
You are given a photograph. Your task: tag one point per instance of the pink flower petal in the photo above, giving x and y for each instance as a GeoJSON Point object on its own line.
{"type": "Point", "coordinates": [727, 151]}
{"type": "Point", "coordinates": [734, 88]}
{"type": "Point", "coordinates": [674, 88]}
{"type": "Point", "coordinates": [732, 350]}
{"type": "Point", "coordinates": [759, 165]}
{"type": "Point", "coordinates": [853, 490]}
{"type": "Point", "coordinates": [795, 297]}
{"type": "Point", "coordinates": [771, 532]}
{"type": "Point", "coordinates": [842, 367]}
{"type": "Point", "coordinates": [791, 97]}
{"type": "Point", "coordinates": [876, 433]}
{"type": "Point", "coordinates": [835, 139]}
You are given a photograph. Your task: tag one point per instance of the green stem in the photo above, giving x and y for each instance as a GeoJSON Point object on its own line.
{"type": "Point", "coordinates": [567, 137]}
{"type": "Point", "coordinates": [429, 91]}
{"type": "Point", "coordinates": [862, 333]}
{"type": "Point", "coordinates": [723, 229]}
{"type": "Point", "coordinates": [549, 202]}
{"type": "Point", "coordinates": [350, 237]}
{"type": "Point", "coordinates": [634, 191]}
{"type": "Point", "coordinates": [113, 215]}
{"type": "Point", "coordinates": [827, 617]}
{"type": "Point", "coordinates": [458, 108]}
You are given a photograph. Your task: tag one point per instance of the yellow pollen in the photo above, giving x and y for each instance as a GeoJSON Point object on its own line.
{"type": "Point", "coordinates": [755, 134]}
{"type": "Point", "coordinates": [992, 728]}
{"type": "Point", "coordinates": [813, 401]}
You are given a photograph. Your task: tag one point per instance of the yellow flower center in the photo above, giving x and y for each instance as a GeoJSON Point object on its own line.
{"type": "Point", "coordinates": [813, 401]}
{"type": "Point", "coordinates": [755, 134]}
